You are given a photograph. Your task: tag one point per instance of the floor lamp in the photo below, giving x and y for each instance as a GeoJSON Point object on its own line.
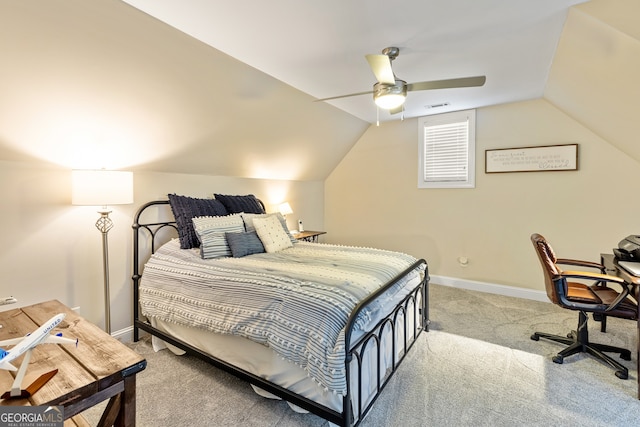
{"type": "Point", "coordinates": [103, 188]}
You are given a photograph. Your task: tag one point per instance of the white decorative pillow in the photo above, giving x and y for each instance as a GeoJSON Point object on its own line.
{"type": "Point", "coordinates": [211, 232]}
{"type": "Point", "coordinates": [271, 233]}
{"type": "Point", "coordinates": [249, 217]}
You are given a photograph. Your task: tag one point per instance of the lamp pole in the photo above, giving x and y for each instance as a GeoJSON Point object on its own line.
{"type": "Point", "coordinates": [104, 224]}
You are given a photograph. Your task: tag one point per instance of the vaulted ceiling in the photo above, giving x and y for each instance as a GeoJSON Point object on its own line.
{"type": "Point", "coordinates": [219, 88]}
{"type": "Point", "coordinates": [320, 47]}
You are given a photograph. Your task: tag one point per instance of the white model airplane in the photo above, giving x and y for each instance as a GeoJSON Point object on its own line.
{"type": "Point", "coordinates": [7, 300]}
{"type": "Point", "coordinates": [26, 345]}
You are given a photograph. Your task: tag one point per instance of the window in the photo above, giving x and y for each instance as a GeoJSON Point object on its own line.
{"type": "Point", "coordinates": [447, 150]}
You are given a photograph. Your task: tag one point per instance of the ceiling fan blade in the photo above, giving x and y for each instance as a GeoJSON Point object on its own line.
{"type": "Point", "coordinates": [381, 67]}
{"type": "Point", "coordinates": [447, 84]}
{"type": "Point", "coordinates": [344, 96]}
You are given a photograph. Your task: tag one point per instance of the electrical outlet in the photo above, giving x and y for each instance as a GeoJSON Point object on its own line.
{"type": "Point", "coordinates": [463, 261]}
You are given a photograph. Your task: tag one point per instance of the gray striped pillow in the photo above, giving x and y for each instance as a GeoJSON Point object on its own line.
{"type": "Point", "coordinates": [211, 232]}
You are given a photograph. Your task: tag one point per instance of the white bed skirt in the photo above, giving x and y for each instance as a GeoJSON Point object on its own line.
{"type": "Point", "coordinates": [251, 357]}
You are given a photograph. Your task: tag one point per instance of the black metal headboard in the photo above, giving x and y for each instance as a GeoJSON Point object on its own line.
{"type": "Point", "coordinates": [152, 230]}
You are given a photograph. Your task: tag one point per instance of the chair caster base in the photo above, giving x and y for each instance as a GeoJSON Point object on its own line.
{"type": "Point", "coordinates": [578, 342]}
{"type": "Point", "coordinates": [623, 375]}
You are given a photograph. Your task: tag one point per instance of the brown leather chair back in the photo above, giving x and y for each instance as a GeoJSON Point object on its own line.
{"type": "Point", "coordinates": [548, 260]}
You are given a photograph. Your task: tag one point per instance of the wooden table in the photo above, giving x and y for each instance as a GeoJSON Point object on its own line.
{"type": "Point", "coordinates": [611, 266]}
{"type": "Point", "coordinates": [99, 368]}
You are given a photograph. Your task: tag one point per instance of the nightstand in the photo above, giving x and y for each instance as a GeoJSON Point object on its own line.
{"type": "Point", "coordinates": [308, 236]}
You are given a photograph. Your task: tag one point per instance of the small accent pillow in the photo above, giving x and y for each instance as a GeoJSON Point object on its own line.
{"type": "Point", "coordinates": [211, 231]}
{"type": "Point", "coordinates": [237, 204]}
{"type": "Point", "coordinates": [185, 208]}
{"type": "Point", "coordinates": [248, 222]}
{"type": "Point", "coordinates": [245, 243]}
{"type": "Point", "coordinates": [271, 233]}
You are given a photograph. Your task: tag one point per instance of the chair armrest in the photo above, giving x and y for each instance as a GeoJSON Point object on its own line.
{"type": "Point", "coordinates": [592, 276]}
{"type": "Point", "coordinates": [623, 295]}
{"type": "Point", "coordinates": [602, 278]}
{"type": "Point", "coordinates": [581, 263]}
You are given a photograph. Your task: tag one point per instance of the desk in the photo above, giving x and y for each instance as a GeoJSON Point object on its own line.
{"type": "Point", "coordinates": [99, 368]}
{"type": "Point", "coordinates": [611, 267]}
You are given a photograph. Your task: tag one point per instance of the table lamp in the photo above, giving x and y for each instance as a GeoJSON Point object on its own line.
{"type": "Point", "coordinates": [285, 209]}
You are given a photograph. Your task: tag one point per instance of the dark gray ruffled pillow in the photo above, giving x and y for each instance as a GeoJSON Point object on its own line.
{"type": "Point", "coordinates": [245, 243]}
{"type": "Point", "coordinates": [185, 208]}
{"type": "Point", "coordinates": [237, 204]}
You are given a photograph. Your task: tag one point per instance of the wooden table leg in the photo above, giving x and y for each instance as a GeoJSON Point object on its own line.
{"type": "Point", "coordinates": [127, 413]}
{"type": "Point", "coordinates": [121, 409]}
{"type": "Point", "coordinates": [111, 412]}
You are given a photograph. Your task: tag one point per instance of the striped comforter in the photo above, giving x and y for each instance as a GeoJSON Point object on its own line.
{"type": "Point", "coordinates": [295, 301]}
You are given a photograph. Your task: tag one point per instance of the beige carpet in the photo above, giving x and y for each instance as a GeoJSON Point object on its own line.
{"type": "Point", "coordinates": [477, 367]}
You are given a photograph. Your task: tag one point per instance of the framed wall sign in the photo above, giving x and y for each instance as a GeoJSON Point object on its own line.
{"type": "Point", "coordinates": [543, 158]}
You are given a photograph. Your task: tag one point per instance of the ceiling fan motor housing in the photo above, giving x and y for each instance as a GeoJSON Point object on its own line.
{"type": "Point", "coordinates": [391, 52]}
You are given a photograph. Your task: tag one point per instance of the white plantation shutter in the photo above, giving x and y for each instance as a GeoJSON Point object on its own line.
{"type": "Point", "coordinates": [447, 145]}
{"type": "Point", "coordinates": [446, 152]}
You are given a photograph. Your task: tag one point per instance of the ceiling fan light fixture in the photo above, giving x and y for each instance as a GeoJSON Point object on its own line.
{"type": "Point", "coordinates": [390, 101]}
{"type": "Point", "coordinates": [388, 96]}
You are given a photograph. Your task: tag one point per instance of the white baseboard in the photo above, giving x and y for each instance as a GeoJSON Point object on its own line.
{"type": "Point", "coordinates": [124, 335]}
{"type": "Point", "coordinates": [490, 288]}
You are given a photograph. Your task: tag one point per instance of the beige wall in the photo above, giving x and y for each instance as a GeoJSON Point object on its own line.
{"type": "Point", "coordinates": [52, 250]}
{"type": "Point", "coordinates": [372, 199]}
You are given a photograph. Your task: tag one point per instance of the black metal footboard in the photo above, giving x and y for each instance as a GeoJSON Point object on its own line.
{"type": "Point", "coordinates": [411, 315]}
{"type": "Point", "coordinates": [401, 327]}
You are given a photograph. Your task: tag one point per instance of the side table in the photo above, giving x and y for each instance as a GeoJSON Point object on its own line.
{"type": "Point", "coordinates": [308, 236]}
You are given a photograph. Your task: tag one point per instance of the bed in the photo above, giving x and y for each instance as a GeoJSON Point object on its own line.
{"type": "Point", "coordinates": [321, 326]}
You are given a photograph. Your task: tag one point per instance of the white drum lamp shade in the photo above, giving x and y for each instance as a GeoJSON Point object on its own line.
{"type": "Point", "coordinates": [101, 187]}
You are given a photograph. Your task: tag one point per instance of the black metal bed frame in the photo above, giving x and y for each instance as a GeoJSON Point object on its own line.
{"type": "Point", "coordinates": [417, 300]}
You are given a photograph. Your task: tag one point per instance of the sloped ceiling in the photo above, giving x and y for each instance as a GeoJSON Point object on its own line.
{"type": "Point", "coordinates": [100, 83]}
{"type": "Point", "coordinates": [594, 77]}
{"type": "Point", "coordinates": [91, 84]}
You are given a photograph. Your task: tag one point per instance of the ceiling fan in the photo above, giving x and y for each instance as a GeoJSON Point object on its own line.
{"type": "Point", "coordinates": [389, 92]}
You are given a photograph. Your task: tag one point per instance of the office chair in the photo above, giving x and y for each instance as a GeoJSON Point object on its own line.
{"type": "Point", "coordinates": [597, 298]}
